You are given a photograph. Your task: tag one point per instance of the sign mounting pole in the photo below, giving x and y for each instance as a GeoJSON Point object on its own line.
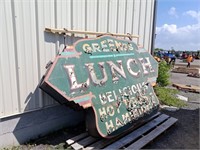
{"type": "Point", "coordinates": [64, 30]}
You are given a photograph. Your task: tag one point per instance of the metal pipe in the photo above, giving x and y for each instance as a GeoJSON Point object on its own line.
{"type": "Point", "coordinates": [61, 31]}
{"type": "Point", "coordinates": [154, 27]}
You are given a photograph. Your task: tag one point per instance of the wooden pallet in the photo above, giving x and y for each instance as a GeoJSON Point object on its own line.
{"type": "Point", "coordinates": [135, 139]}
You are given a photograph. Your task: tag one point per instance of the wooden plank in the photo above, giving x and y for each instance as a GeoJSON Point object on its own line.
{"type": "Point", "coordinates": [186, 70]}
{"type": "Point", "coordinates": [104, 142]}
{"type": "Point", "coordinates": [191, 88]}
{"type": "Point", "coordinates": [77, 146]}
{"type": "Point", "coordinates": [195, 75]}
{"type": "Point", "coordinates": [76, 138]}
{"type": "Point", "coordinates": [84, 142]}
{"type": "Point", "coordinates": [77, 143]}
{"type": "Point", "coordinates": [61, 31]}
{"type": "Point", "coordinates": [137, 133]}
{"type": "Point", "coordinates": [152, 135]}
{"type": "Point", "coordinates": [100, 144]}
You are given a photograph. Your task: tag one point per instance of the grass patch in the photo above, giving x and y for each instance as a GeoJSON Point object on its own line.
{"type": "Point", "coordinates": [167, 97]}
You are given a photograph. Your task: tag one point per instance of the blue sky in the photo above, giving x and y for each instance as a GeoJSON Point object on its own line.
{"type": "Point", "coordinates": [178, 24]}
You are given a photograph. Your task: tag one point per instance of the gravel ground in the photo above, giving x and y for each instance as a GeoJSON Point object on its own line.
{"type": "Point", "coordinates": [193, 98]}
{"type": "Point", "coordinates": [184, 79]}
{"type": "Point", "coordinates": [185, 134]}
{"type": "Point", "coordinates": [194, 64]}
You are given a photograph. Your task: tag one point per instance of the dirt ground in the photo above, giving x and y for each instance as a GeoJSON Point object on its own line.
{"type": "Point", "coordinates": [184, 135]}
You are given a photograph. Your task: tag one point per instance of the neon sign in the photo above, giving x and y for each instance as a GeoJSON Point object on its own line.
{"type": "Point", "coordinates": [110, 77]}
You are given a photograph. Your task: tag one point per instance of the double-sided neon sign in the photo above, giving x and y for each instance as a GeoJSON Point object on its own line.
{"type": "Point", "coordinates": [110, 76]}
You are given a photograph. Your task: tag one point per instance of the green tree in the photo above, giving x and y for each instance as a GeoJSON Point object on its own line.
{"type": "Point", "coordinates": [158, 49]}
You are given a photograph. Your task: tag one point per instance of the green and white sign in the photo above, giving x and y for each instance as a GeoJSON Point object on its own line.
{"type": "Point", "coordinates": [111, 76]}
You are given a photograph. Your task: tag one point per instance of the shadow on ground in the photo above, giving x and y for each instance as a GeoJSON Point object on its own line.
{"type": "Point", "coordinates": [60, 136]}
{"type": "Point", "coordinates": [41, 114]}
{"type": "Point", "coordinates": [184, 135]}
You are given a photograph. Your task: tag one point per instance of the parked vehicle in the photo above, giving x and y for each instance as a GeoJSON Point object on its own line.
{"type": "Point", "coordinates": [184, 55]}
{"type": "Point", "coordinates": [169, 58]}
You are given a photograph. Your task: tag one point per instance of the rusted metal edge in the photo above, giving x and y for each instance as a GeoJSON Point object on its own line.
{"type": "Point", "coordinates": [61, 31]}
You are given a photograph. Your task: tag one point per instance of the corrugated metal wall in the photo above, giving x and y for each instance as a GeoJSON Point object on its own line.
{"type": "Point", "coordinates": [26, 48]}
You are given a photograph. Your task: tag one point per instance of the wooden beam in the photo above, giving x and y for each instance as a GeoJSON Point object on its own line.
{"type": "Point", "coordinates": [61, 31]}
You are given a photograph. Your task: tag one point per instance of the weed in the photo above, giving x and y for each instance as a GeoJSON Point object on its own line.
{"type": "Point", "coordinates": [167, 96]}
{"type": "Point", "coordinates": [163, 74]}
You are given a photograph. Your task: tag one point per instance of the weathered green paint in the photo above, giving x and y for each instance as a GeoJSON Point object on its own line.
{"type": "Point", "coordinates": [110, 75]}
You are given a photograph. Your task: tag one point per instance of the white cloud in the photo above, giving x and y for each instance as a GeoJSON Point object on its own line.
{"type": "Point", "coordinates": [194, 14]}
{"type": "Point", "coordinates": [172, 12]}
{"type": "Point", "coordinates": [167, 28]}
{"type": "Point", "coordinates": [181, 38]}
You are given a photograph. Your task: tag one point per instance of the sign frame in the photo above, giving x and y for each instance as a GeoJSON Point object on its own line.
{"type": "Point", "coordinates": [80, 102]}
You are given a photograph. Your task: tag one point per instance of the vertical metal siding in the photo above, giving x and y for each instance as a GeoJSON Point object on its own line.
{"type": "Point", "coordinates": [26, 53]}
{"type": "Point", "coordinates": [136, 19]}
{"type": "Point", "coordinates": [46, 47]}
{"type": "Point", "coordinates": [129, 16]}
{"type": "Point", "coordinates": [113, 18]}
{"type": "Point", "coordinates": [91, 11]}
{"type": "Point", "coordinates": [8, 63]}
{"type": "Point", "coordinates": [142, 21]}
{"type": "Point", "coordinates": [121, 16]}
{"type": "Point", "coordinates": [102, 15]}
{"type": "Point", "coordinates": [26, 48]}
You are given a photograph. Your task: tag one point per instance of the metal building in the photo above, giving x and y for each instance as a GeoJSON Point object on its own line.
{"type": "Point", "coordinates": [26, 49]}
